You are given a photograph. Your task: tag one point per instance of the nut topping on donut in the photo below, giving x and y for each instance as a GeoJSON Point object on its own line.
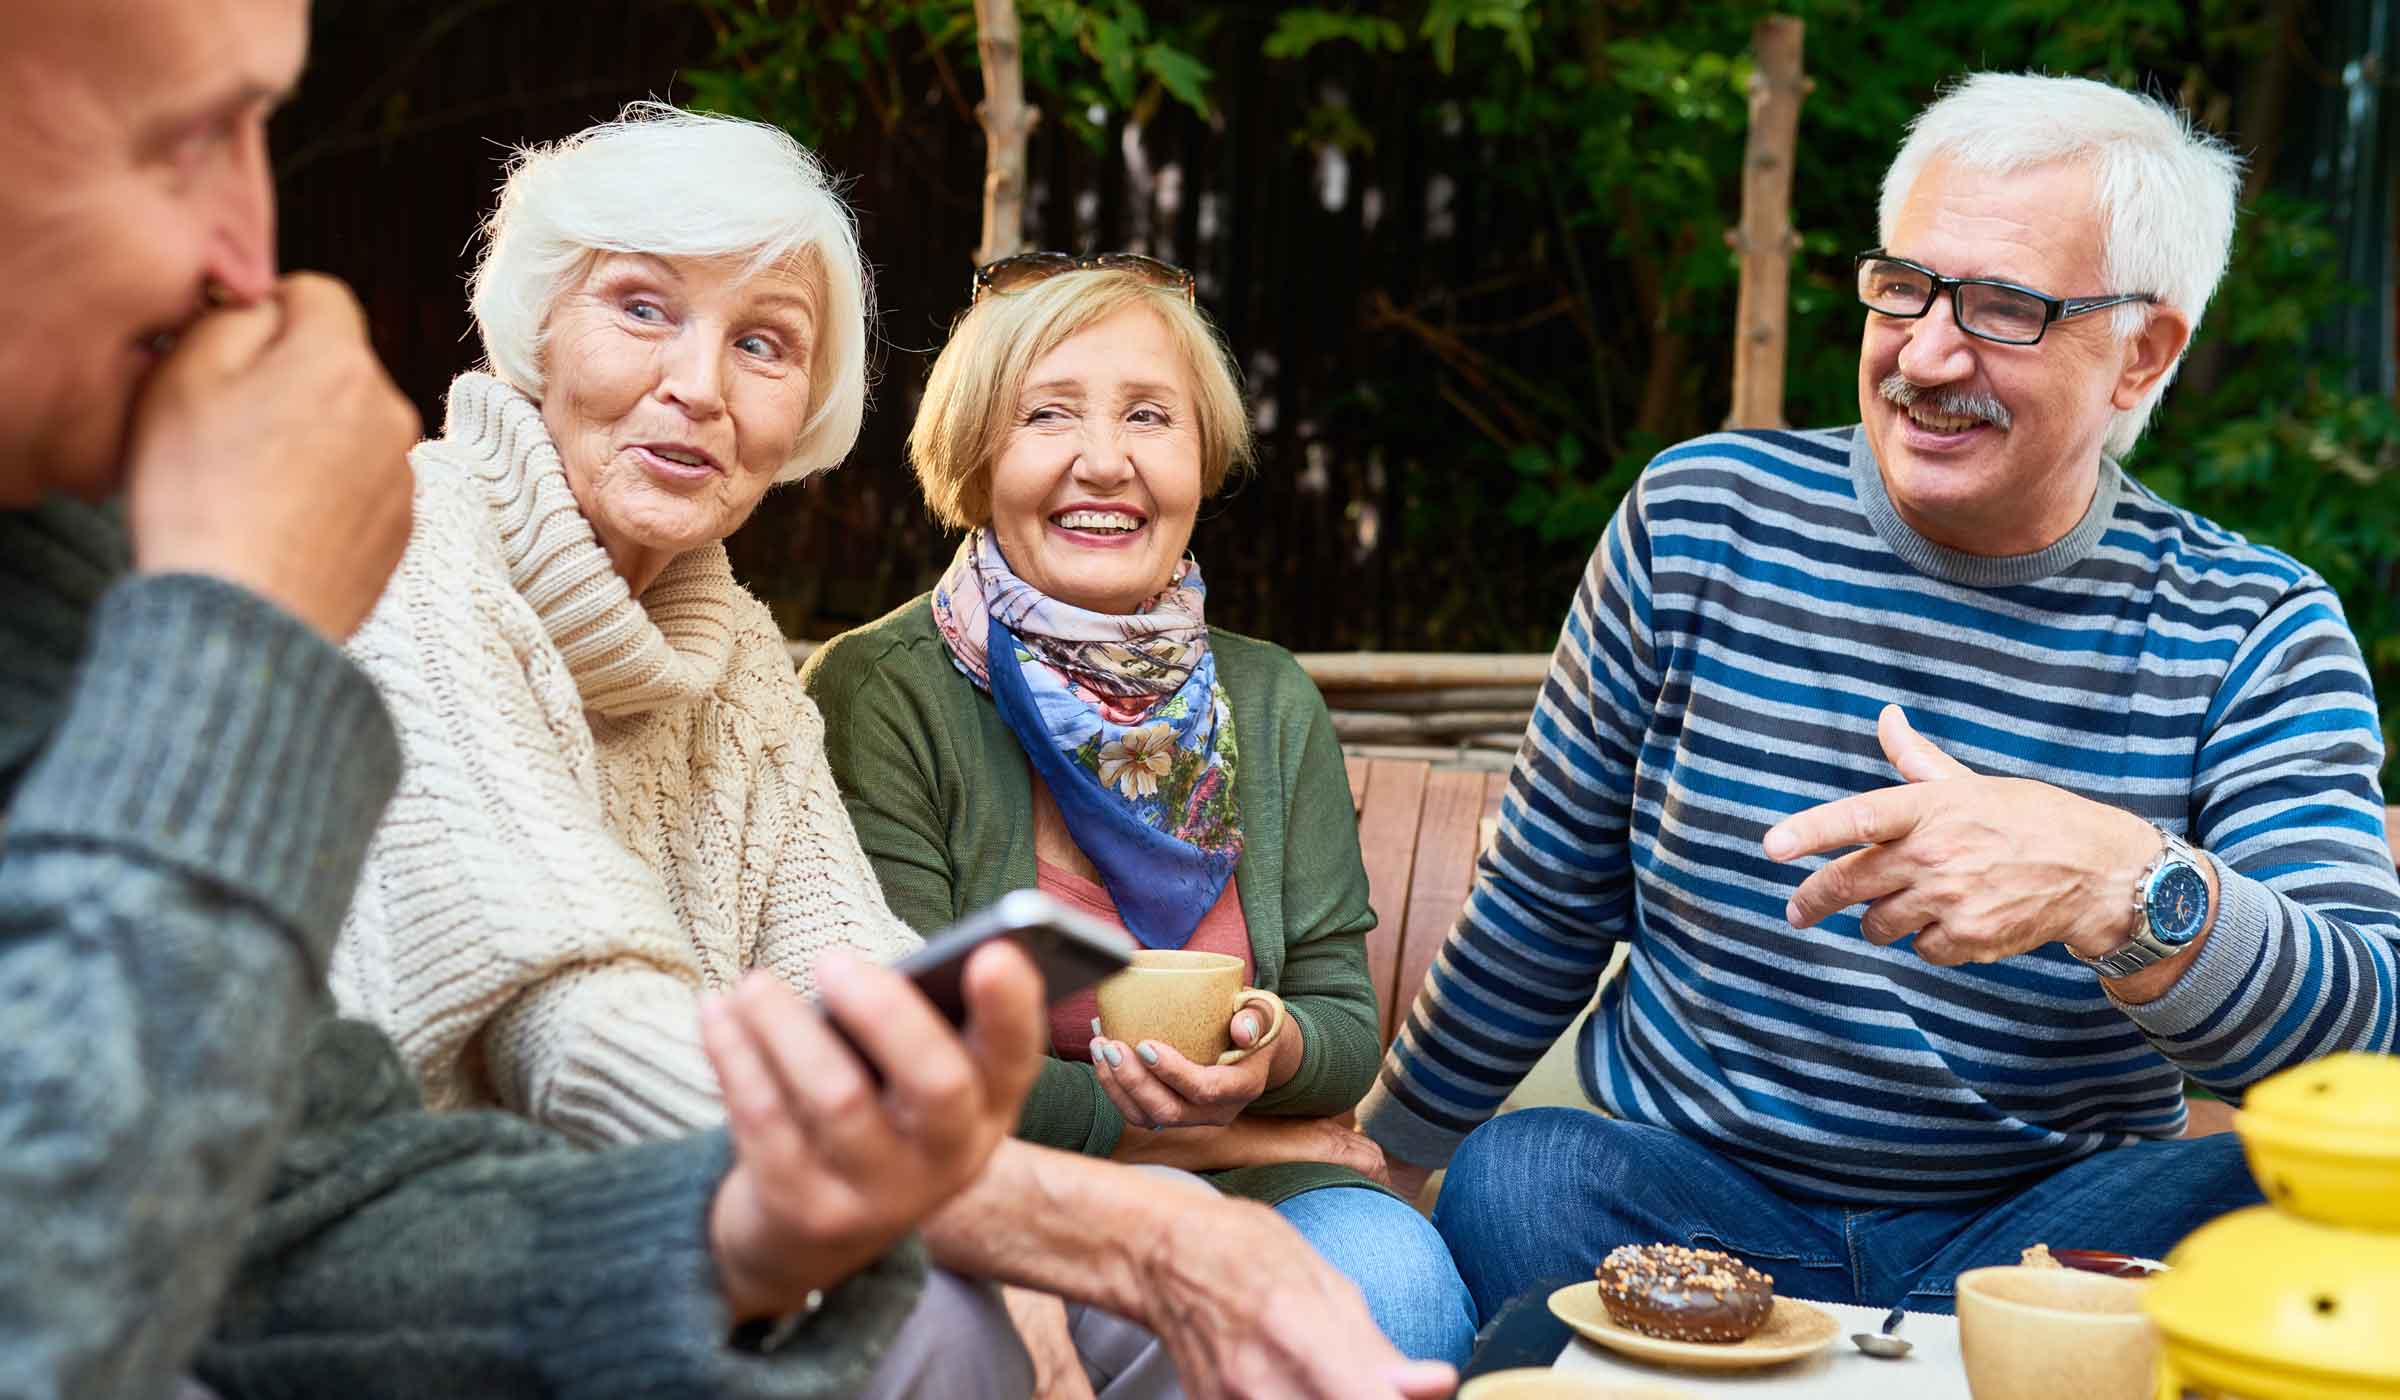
{"type": "Point", "coordinates": [1684, 1295]}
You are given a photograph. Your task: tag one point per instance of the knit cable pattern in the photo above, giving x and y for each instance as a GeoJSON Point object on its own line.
{"type": "Point", "coordinates": [610, 806]}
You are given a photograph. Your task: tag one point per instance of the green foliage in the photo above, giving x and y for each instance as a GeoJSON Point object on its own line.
{"type": "Point", "coordinates": [1298, 31]}
{"type": "Point", "coordinates": [2277, 448]}
{"type": "Point", "coordinates": [1613, 131]}
{"type": "Point", "coordinates": [809, 67]}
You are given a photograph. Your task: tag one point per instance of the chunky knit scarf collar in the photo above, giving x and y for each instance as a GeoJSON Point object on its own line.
{"type": "Point", "coordinates": [629, 656]}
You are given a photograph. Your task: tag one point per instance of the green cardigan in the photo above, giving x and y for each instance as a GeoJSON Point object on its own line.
{"type": "Point", "coordinates": [942, 796]}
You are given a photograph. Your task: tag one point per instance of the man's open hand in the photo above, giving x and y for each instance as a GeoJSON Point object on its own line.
{"type": "Point", "coordinates": [1978, 868]}
{"type": "Point", "coordinates": [830, 1167]}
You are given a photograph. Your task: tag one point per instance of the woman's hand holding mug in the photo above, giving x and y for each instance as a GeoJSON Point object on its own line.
{"type": "Point", "coordinates": [1154, 1085]}
{"type": "Point", "coordinates": [1181, 1043]}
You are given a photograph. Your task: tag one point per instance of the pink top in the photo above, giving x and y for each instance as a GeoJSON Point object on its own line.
{"type": "Point", "coordinates": [1222, 930]}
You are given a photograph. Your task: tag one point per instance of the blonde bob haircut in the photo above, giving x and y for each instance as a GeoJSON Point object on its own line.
{"type": "Point", "coordinates": [676, 184]}
{"type": "Point", "coordinates": [970, 399]}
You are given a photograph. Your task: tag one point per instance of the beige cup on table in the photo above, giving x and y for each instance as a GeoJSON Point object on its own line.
{"type": "Point", "coordinates": [2055, 1334]}
{"type": "Point", "coordinates": [1186, 999]}
{"type": "Point", "coordinates": [1532, 1383]}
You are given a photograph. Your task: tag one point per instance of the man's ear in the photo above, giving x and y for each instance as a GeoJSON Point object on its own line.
{"type": "Point", "coordinates": [2150, 353]}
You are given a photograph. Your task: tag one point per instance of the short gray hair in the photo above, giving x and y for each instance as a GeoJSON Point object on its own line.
{"type": "Point", "coordinates": [672, 183]}
{"type": "Point", "coordinates": [2166, 190]}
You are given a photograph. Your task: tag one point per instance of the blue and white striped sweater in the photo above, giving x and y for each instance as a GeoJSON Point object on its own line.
{"type": "Point", "coordinates": [1752, 607]}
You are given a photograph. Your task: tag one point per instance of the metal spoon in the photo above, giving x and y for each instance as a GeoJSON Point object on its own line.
{"type": "Point", "coordinates": [1886, 1344]}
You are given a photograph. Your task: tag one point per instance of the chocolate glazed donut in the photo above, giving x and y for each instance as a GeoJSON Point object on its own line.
{"type": "Point", "coordinates": [1684, 1295]}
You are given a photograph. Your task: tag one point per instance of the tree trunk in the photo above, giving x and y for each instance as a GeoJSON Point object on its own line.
{"type": "Point", "coordinates": [1765, 239]}
{"type": "Point", "coordinates": [1007, 121]}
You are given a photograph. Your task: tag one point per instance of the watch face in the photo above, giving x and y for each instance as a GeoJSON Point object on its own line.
{"type": "Point", "coordinates": [2178, 904]}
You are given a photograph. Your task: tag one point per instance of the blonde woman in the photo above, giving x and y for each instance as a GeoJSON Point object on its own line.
{"type": "Point", "coordinates": [1058, 714]}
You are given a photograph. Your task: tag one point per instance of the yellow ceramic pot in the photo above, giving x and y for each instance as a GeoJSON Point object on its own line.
{"type": "Point", "coordinates": [2299, 1299]}
{"type": "Point", "coordinates": [2324, 1140]}
{"type": "Point", "coordinates": [2268, 1306]}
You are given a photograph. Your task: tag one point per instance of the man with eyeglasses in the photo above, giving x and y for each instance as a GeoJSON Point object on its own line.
{"type": "Point", "coordinates": [1953, 795]}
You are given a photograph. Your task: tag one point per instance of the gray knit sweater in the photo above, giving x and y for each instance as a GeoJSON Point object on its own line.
{"type": "Point", "coordinates": [197, 1169]}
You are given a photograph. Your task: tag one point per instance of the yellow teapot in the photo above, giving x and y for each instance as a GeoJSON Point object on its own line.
{"type": "Point", "coordinates": [2298, 1299]}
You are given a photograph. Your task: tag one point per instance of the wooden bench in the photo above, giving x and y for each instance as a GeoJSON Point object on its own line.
{"type": "Point", "coordinates": [1421, 828]}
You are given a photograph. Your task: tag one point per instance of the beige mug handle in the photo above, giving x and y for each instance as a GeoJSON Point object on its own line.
{"type": "Point", "coordinates": [1255, 996]}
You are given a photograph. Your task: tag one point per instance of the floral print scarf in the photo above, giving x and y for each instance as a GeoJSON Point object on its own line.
{"type": "Point", "coordinates": [1124, 722]}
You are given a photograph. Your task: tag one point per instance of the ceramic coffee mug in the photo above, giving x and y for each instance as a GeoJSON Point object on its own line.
{"type": "Point", "coordinates": [1187, 1000]}
{"type": "Point", "coordinates": [2047, 1334]}
{"type": "Point", "coordinates": [1532, 1383]}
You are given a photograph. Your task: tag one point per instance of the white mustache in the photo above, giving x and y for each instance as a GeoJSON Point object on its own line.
{"type": "Point", "coordinates": [1898, 388]}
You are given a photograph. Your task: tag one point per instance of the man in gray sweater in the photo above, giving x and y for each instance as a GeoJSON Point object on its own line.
{"type": "Point", "coordinates": [203, 486]}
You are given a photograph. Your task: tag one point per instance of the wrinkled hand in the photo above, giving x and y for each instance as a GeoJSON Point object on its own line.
{"type": "Point", "coordinates": [1248, 1310]}
{"type": "Point", "coordinates": [1154, 1086]}
{"type": "Point", "coordinates": [1253, 1140]}
{"type": "Point", "coordinates": [1344, 1146]}
{"type": "Point", "coordinates": [1041, 1322]}
{"type": "Point", "coordinates": [830, 1169]}
{"type": "Point", "coordinates": [270, 449]}
{"type": "Point", "coordinates": [1978, 868]}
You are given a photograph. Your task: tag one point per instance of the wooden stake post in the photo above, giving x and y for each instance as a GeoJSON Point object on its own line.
{"type": "Point", "coordinates": [1765, 238]}
{"type": "Point", "coordinates": [1007, 121]}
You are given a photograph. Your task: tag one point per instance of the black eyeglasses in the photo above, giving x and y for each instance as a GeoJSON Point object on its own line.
{"type": "Point", "coordinates": [1021, 270]}
{"type": "Point", "coordinates": [1996, 311]}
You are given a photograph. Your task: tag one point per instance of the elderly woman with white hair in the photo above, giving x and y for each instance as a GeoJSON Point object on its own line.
{"type": "Point", "coordinates": [615, 799]}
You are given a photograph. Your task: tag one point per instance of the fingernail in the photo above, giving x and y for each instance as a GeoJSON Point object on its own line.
{"type": "Point", "coordinates": [1147, 1051]}
{"type": "Point", "coordinates": [1248, 1026]}
{"type": "Point", "coordinates": [1114, 1059]}
{"type": "Point", "coordinates": [1777, 844]}
{"type": "Point", "coordinates": [1096, 1031]}
{"type": "Point", "coordinates": [1791, 912]}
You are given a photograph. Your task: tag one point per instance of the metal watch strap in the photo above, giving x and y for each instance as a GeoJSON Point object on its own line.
{"type": "Point", "coordinates": [2140, 948]}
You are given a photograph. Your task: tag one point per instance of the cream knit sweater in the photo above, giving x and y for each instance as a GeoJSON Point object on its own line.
{"type": "Point", "coordinates": [609, 806]}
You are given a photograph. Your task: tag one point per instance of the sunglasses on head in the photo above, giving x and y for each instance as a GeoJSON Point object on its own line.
{"type": "Point", "coordinates": [1021, 270]}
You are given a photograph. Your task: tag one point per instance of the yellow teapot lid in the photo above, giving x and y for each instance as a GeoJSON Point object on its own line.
{"type": "Point", "coordinates": [2349, 1092]}
{"type": "Point", "coordinates": [2323, 1140]}
{"type": "Point", "coordinates": [2293, 1298]}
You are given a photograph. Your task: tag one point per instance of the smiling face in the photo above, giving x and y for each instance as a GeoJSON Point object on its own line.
{"type": "Point", "coordinates": [676, 389]}
{"type": "Point", "coordinates": [133, 139]}
{"type": "Point", "coordinates": [1098, 480]}
{"type": "Point", "coordinates": [1995, 449]}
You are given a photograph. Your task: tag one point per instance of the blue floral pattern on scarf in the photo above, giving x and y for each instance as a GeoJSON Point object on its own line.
{"type": "Point", "coordinates": [1124, 721]}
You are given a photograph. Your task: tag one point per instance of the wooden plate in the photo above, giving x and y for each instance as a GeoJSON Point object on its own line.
{"type": "Point", "coordinates": [1793, 1330]}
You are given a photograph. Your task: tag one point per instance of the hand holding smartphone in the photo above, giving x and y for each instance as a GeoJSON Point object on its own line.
{"type": "Point", "coordinates": [1073, 950]}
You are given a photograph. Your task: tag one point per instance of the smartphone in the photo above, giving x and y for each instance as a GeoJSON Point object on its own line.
{"type": "Point", "coordinates": [1073, 950]}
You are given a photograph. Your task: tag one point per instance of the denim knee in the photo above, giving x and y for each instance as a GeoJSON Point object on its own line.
{"type": "Point", "coordinates": [1399, 1264]}
{"type": "Point", "coordinates": [1514, 1161]}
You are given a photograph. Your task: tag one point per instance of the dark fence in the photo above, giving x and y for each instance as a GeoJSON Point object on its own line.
{"type": "Point", "coordinates": [1321, 269]}
{"type": "Point", "coordinates": [1351, 277]}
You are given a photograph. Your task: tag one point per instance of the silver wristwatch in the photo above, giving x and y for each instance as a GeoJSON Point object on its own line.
{"type": "Point", "coordinates": [2170, 903]}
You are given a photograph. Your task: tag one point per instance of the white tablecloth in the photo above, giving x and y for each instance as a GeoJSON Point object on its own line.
{"type": "Point", "coordinates": [1932, 1371]}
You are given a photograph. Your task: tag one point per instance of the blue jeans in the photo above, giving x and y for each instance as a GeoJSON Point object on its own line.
{"type": "Point", "coordinates": [1547, 1192]}
{"type": "Point", "coordinates": [1394, 1256]}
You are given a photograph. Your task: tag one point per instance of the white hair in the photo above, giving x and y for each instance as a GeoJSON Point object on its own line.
{"type": "Point", "coordinates": [2165, 190]}
{"type": "Point", "coordinates": [672, 183]}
